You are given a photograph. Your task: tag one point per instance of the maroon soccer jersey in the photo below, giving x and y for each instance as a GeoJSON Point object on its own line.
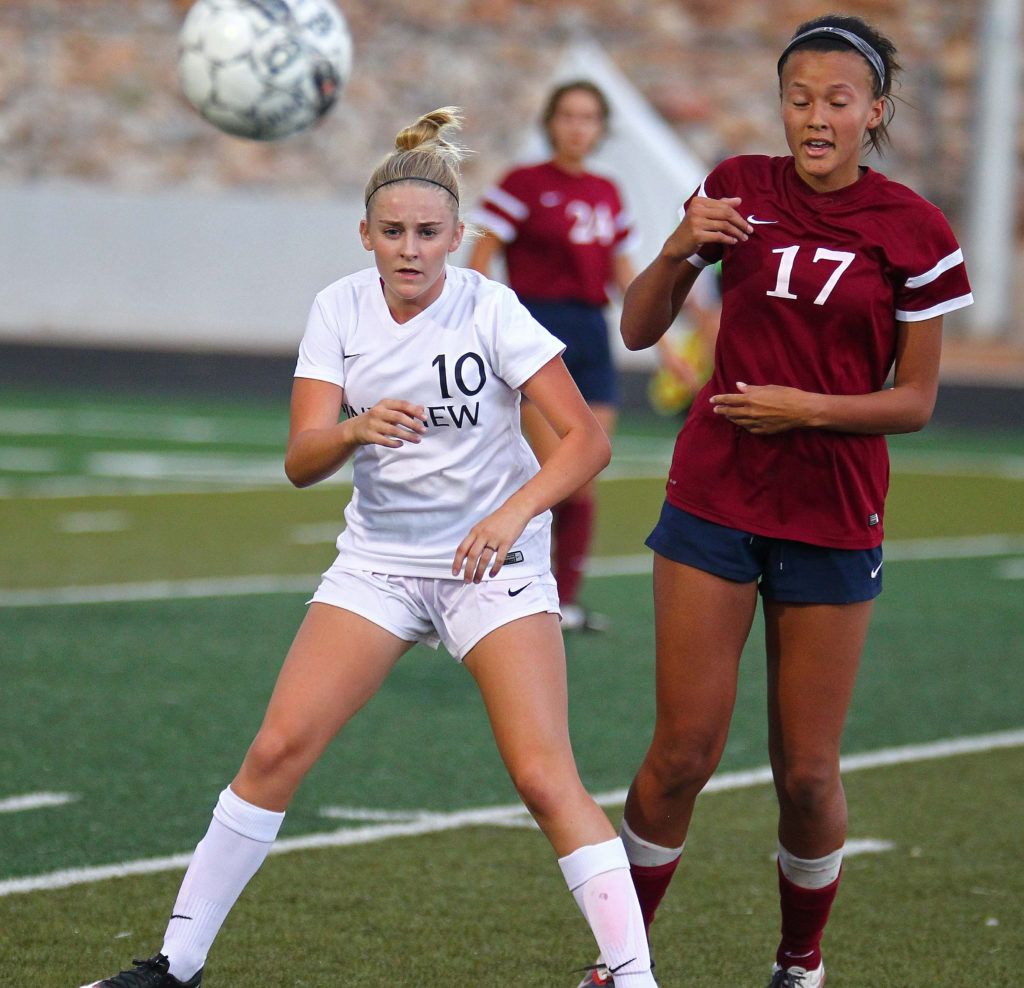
{"type": "Point", "coordinates": [810, 301]}
{"type": "Point", "coordinates": [561, 232]}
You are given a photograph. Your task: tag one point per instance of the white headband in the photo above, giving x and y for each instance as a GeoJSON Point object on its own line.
{"type": "Point", "coordinates": [867, 50]}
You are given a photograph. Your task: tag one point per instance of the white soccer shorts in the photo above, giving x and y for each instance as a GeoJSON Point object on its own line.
{"type": "Point", "coordinates": [431, 610]}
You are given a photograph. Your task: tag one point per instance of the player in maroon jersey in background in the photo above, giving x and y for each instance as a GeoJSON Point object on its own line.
{"type": "Point", "coordinates": [565, 235]}
{"type": "Point", "coordinates": [831, 277]}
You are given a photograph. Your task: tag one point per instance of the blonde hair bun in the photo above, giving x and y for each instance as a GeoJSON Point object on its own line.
{"type": "Point", "coordinates": [423, 153]}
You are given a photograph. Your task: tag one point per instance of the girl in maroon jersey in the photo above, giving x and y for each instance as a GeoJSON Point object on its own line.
{"type": "Point", "coordinates": [565, 234]}
{"type": "Point", "coordinates": [831, 276]}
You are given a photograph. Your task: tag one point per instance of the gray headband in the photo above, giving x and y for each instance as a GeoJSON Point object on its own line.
{"type": "Point", "coordinates": [854, 40]}
{"type": "Point", "coordinates": [411, 178]}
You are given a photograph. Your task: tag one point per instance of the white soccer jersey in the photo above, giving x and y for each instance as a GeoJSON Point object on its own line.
{"type": "Point", "coordinates": [463, 359]}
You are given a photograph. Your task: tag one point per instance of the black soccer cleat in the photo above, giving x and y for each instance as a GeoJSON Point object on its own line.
{"type": "Point", "coordinates": [148, 974]}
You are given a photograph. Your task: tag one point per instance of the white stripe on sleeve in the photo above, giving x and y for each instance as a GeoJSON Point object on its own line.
{"type": "Point", "coordinates": [951, 305]}
{"type": "Point", "coordinates": [498, 225]}
{"type": "Point", "coordinates": [949, 261]}
{"type": "Point", "coordinates": [515, 208]}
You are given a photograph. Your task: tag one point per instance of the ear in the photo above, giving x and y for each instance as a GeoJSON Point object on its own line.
{"type": "Point", "coordinates": [364, 234]}
{"type": "Point", "coordinates": [877, 114]}
{"type": "Point", "coordinates": [457, 238]}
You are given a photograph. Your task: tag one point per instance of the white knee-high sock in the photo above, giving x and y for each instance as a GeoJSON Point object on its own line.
{"type": "Point", "coordinates": [811, 873]}
{"type": "Point", "coordinates": [645, 854]}
{"type": "Point", "coordinates": [598, 877]}
{"type": "Point", "coordinates": [225, 859]}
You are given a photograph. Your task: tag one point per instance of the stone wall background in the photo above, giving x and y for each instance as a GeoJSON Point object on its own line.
{"type": "Point", "coordinates": [88, 90]}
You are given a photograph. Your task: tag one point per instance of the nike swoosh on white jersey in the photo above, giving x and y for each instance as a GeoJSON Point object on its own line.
{"type": "Point", "coordinates": [874, 572]}
{"type": "Point", "coordinates": [752, 221]}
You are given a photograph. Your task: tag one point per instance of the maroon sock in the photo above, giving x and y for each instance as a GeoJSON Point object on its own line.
{"type": "Point", "coordinates": [804, 915]}
{"type": "Point", "coordinates": [651, 883]}
{"type": "Point", "coordinates": [573, 528]}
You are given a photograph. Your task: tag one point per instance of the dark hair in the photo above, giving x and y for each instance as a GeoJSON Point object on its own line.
{"type": "Point", "coordinates": [576, 85]}
{"type": "Point", "coordinates": [826, 34]}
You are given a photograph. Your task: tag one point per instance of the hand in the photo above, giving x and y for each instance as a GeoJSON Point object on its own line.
{"type": "Point", "coordinates": [483, 551]}
{"type": "Point", "coordinates": [390, 423]}
{"type": "Point", "coordinates": [764, 410]}
{"type": "Point", "coordinates": [708, 221]}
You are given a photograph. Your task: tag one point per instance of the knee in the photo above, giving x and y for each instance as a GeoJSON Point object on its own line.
{"type": "Point", "coordinates": [272, 753]}
{"type": "Point", "coordinates": [809, 786]}
{"type": "Point", "coordinates": [683, 765]}
{"type": "Point", "coordinates": [542, 791]}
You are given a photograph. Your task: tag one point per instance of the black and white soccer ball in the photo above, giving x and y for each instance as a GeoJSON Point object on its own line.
{"type": "Point", "coordinates": [263, 69]}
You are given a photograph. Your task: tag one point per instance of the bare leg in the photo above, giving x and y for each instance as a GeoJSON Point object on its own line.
{"type": "Point", "coordinates": [701, 625]}
{"type": "Point", "coordinates": [335, 665]}
{"type": "Point", "coordinates": [520, 671]}
{"type": "Point", "coordinates": [813, 656]}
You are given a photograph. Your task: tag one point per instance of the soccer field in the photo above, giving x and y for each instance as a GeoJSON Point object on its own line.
{"type": "Point", "coordinates": [155, 568]}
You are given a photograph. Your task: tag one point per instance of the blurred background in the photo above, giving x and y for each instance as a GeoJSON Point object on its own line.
{"type": "Point", "coordinates": [129, 227]}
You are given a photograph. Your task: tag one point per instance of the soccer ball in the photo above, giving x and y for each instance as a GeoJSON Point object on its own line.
{"type": "Point", "coordinates": [263, 69]}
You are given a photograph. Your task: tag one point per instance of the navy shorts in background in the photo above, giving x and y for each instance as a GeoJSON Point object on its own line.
{"type": "Point", "coordinates": [588, 355]}
{"type": "Point", "coordinates": [785, 571]}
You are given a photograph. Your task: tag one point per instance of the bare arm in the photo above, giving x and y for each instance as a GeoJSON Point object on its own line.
{"type": "Point", "coordinates": [583, 451]}
{"type": "Point", "coordinates": [485, 247]}
{"type": "Point", "coordinates": [654, 300]}
{"type": "Point", "coordinates": [657, 294]}
{"type": "Point", "coordinates": [905, 407]}
{"type": "Point", "coordinates": [319, 445]}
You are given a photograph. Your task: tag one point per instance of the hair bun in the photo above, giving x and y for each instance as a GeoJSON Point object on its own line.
{"type": "Point", "coordinates": [423, 154]}
{"type": "Point", "coordinates": [426, 133]}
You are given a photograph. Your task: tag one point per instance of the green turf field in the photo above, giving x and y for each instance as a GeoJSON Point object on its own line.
{"type": "Point", "coordinates": [154, 569]}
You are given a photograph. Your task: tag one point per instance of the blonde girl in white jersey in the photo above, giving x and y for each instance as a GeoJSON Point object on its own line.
{"type": "Point", "coordinates": [414, 370]}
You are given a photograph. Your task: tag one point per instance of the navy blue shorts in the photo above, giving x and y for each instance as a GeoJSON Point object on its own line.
{"type": "Point", "coordinates": [588, 355]}
{"type": "Point", "coordinates": [786, 571]}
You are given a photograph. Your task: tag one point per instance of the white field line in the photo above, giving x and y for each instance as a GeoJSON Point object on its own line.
{"type": "Point", "coordinates": [119, 473]}
{"type": "Point", "coordinates": [957, 547]}
{"type": "Point", "coordinates": [109, 593]}
{"type": "Point", "coordinates": [509, 815]}
{"type": "Point", "coordinates": [242, 468]}
{"type": "Point", "coordinates": [966, 547]}
{"type": "Point", "coordinates": [35, 801]}
{"type": "Point", "coordinates": [91, 522]}
{"type": "Point", "coordinates": [1005, 466]}
{"type": "Point", "coordinates": [315, 533]}
{"type": "Point", "coordinates": [17, 459]}
{"type": "Point", "coordinates": [190, 429]}
{"type": "Point", "coordinates": [866, 845]}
